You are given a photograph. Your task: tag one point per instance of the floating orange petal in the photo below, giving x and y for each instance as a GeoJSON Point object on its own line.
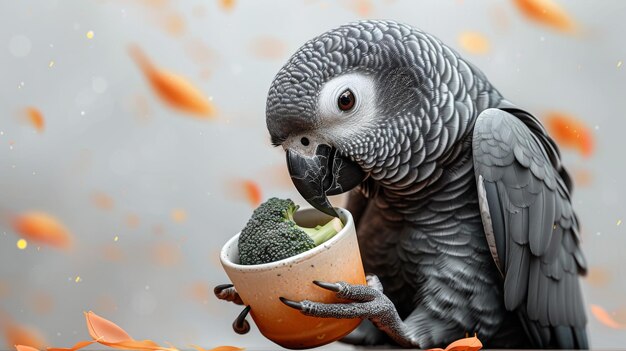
{"type": "Point", "coordinates": [219, 348]}
{"type": "Point", "coordinates": [113, 253]}
{"type": "Point", "coordinates": [132, 220]}
{"type": "Point", "coordinates": [104, 330]}
{"type": "Point", "coordinates": [15, 334]}
{"type": "Point", "coordinates": [43, 228]}
{"type": "Point", "coordinates": [25, 348]}
{"type": "Point", "coordinates": [200, 292]}
{"type": "Point", "coordinates": [35, 118]}
{"type": "Point", "coordinates": [570, 132]}
{"type": "Point", "coordinates": [102, 201]}
{"type": "Point", "coordinates": [474, 42]}
{"type": "Point", "coordinates": [179, 215]}
{"type": "Point", "coordinates": [77, 346]}
{"type": "Point", "coordinates": [548, 13]}
{"type": "Point", "coordinates": [269, 48]}
{"type": "Point", "coordinates": [173, 89]}
{"type": "Point", "coordinates": [598, 276]}
{"type": "Point", "coordinates": [253, 192]}
{"type": "Point", "coordinates": [174, 24]}
{"type": "Point", "coordinates": [582, 177]}
{"type": "Point", "coordinates": [465, 344]}
{"type": "Point", "coordinates": [227, 5]}
{"type": "Point", "coordinates": [41, 302]}
{"type": "Point", "coordinates": [605, 318]}
{"type": "Point", "coordinates": [166, 254]}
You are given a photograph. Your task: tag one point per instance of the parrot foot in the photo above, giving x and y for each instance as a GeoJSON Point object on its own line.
{"type": "Point", "coordinates": [227, 292]}
{"type": "Point", "coordinates": [367, 302]}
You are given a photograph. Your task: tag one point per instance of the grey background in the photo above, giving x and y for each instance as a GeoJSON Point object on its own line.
{"type": "Point", "coordinates": [95, 140]}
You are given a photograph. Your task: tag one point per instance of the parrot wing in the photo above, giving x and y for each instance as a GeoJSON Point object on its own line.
{"type": "Point", "coordinates": [530, 226]}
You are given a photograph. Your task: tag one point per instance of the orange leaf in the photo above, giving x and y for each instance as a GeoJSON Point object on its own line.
{"type": "Point", "coordinates": [227, 5]}
{"type": "Point", "coordinates": [268, 48]}
{"type": "Point", "coordinates": [173, 89]}
{"type": "Point", "coordinates": [142, 345]}
{"type": "Point", "coordinates": [218, 348]}
{"type": "Point", "coordinates": [253, 192]}
{"type": "Point", "coordinates": [42, 227]}
{"type": "Point", "coordinates": [570, 132]}
{"type": "Point", "coordinates": [104, 330]}
{"type": "Point", "coordinates": [546, 12]}
{"type": "Point", "coordinates": [605, 318]}
{"type": "Point", "coordinates": [15, 334]}
{"type": "Point", "coordinates": [77, 346]}
{"type": "Point", "coordinates": [474, 42]}
{"type": "Point", "coordinates": [35, 118]}
{"type": "Point", "coordinates": [102, 201]}
{"type": "Point", "coordinates": [465, 344]}
{"type": "Point", "coordinates": [25, 348]}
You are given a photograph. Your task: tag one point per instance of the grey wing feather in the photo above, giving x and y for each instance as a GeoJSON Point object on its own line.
{"type": "Point", "coordinates": [533, 225]}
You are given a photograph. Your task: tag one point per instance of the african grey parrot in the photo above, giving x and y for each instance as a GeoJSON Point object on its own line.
{"type": "Point", "coordinates": [462, 205]}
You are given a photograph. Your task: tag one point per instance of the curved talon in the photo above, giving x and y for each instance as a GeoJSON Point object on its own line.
{"type": "Point", "coordinates": [328, 286]}
{"type": "Point", "coordinates": [218, 289]}
{"type": "Point", "coordinates": [241, 325]}
{"type": "Point", "coordinates": [291, 303]}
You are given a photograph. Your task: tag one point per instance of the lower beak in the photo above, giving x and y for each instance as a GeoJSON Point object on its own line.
{"type": "Point", "coordinates": [321, 174]}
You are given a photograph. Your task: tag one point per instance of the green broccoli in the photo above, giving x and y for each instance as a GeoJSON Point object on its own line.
{"type": "Point", "coordinates": [271, 234]}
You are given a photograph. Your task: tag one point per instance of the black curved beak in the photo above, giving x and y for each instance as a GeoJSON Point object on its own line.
{"type": "Point", "coordinates": [324, 173]}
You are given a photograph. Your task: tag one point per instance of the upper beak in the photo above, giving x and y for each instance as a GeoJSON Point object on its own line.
{"type": "Point", "coordinates": [321, 174]}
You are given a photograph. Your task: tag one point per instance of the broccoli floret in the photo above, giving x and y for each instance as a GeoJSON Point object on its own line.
{"type": "Point", "coordinates": [271, 234]}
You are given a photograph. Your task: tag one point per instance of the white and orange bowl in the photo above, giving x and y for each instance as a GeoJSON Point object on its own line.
{"type": "Point", "coordinates": [260, 286]}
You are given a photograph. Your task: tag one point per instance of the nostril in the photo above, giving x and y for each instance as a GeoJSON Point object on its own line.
{"type": "Point", "coordinates": [305, 141]}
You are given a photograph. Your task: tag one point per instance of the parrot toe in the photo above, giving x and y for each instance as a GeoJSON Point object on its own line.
{"type": "Point", "coordinates": [227, 292]}
{"type": "Point", "coordinates": [241, 325]}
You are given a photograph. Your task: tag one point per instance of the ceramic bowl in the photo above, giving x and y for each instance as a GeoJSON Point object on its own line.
{"type": "Point", "coordinates": [260, 286]}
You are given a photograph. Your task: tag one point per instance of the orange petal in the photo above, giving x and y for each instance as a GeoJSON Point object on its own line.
{"type": "Point", "coordinates": [605, 318]}
{"type": "Point", "coordinates": [142, 345]}
{"type": "Point", "coordinates": [474, 42]}
{"type": "Point", "coordinates": [218, 348]}
{"type": "Point", "coordinates": [546, 12]}
{"type": "Point", "coordinates": [15, 334]}
{"type": "Point", "coordinates": [102, 201]}
{"type": "Point", "coordinates": [570, 132]}
{"type": "Point", "coordinates": [465, 344]}
{"type": "Point", "coordinates": [173, 89]}
{"type": "Point", "coordinates": [104, 330]}
{"type": "Point", "coordinates": [174, 24]}
{"type": "Point", "coordinates": [253, 192]}
{"type": "Point", "coordinates": [25, 348]}
{"type": "Point", "coordinates": [78, 345]}
{"type": "Point", "coordinates": [43, 228]}
{"type": "Point", "coordinates": [227, 5]}
{"type": "Point", "coordinates": [179, 215]}
{"type": "Point", "coordinates": [35, 118]}
{"type": "Point", "coordinates": [269, 48]}
{"type": "Point", "coordinates": [166, 254]}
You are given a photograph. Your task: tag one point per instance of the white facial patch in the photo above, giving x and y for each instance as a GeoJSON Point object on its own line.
{"type": "Point", "coordinates": [340, 124]}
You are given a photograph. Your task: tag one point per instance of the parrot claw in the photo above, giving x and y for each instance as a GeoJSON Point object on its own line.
{"type": "Point", "coordinates": [227, 292]}
{"type": "Point", "coordinates": [291, 303]}
{"type": "Point", "coordinates": [218, 289]}
{"type": "Point", "coordinates": [241, 325]}
{"type": "Point", "coordinates": [328, 286]}
{"type": "Point", "coordinates": [365, 302]}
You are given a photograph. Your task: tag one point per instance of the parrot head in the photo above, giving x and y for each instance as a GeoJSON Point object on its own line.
{"type": "Point", "coordinates": [354, 103]}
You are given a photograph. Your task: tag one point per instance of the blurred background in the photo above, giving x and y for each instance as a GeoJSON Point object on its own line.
{"type": "Point", "coordinates": [133, 145]}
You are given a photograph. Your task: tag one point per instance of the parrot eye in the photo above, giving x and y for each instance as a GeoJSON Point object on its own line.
{"type": "Point", "coordinates": [346, 100]}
